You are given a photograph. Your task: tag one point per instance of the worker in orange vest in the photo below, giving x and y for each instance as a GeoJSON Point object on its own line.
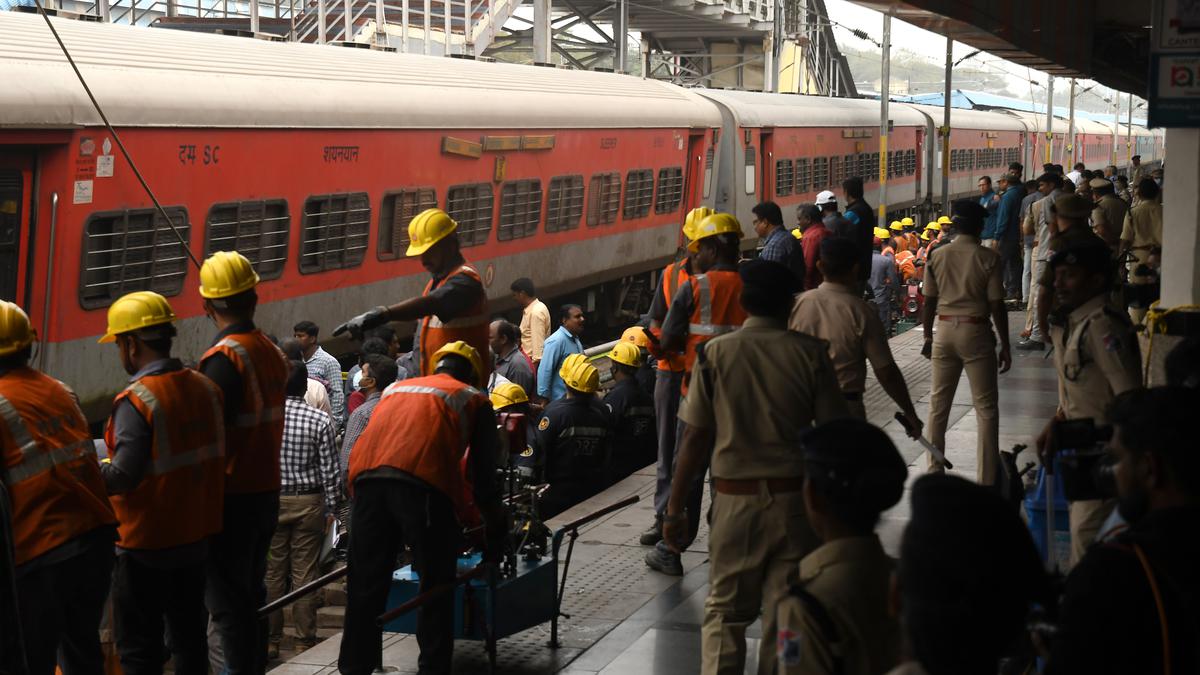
{"type": "Point", "coordinates": [251, 373]}
{"type": "Point", "coordinates": [706, 306]}
{"type": "Point", "coordinates": [669, 376]}
{"type": "Point", "coordinates": [55, 520]}
{"type": "Point", "coordinates": [408, 484]}
{"type": "Point", "coordinates": [166, 475]}
{"type": "Point", "coordinates": [454, 303]}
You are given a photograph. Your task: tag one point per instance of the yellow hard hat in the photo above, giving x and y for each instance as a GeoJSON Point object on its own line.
{"type": "Point", "coordinates": [428, 228]}
{"type": "Point", "coordinates": [944, 220]}
{"type": "Point", "coordinates": [15, 331]}
{"type": "Point", "coordinates": [627, 354]}
{"type": "Point", "coordinates": [717, 223]}
{"type": "Point", "coordinates": [580, 375]}
{"type": "Point", "coordinates": [693, 220]}
{"type": "Point", "coordinates": [509, 393]}
{"type": "Point", "coordinates": [798, 233]}
{"type": "Point", "coordinates": [906, 221]}
{"type": "Point", "coordinates": [460, 348]}
{"type": "Point", "coordinates": [226, 273]}
{"type": "Point", "coordinates": [896, 226]}
{"type": "Point", "coordinates": [637, 336]}
{"type": "Point", "coordinates": [135, 311]}
{"type": "Point", "coordinates": [936, 227]}
{"type": "Point", "coordinates": [925, 235]}
{"type": "Point", "coordinates": [881, 233]}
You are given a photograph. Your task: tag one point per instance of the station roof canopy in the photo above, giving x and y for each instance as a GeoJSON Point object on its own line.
{"type": "Point", "coordinates": [1105, 40]}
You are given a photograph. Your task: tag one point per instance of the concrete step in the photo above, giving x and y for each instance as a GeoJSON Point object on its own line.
{"type": "Point", "coordinates": [331, 617]}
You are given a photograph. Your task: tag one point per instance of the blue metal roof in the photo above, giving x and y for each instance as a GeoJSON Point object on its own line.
{"type": "Point", "coordinates": [979, 100]}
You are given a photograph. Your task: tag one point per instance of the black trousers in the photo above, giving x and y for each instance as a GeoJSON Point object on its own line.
{"type": "Point", "coordinates": [147, 599]}
{"type": "Point", "coordinates": [60, 607]}
{"type": "Point", "coordinates": [388, 513]}
{"type": "Point", "coordinates": [1012, 263]}
{"type": "Point", "coordinates": [237, 564]}
{"type": "Point", "coordinates": [563, 494]}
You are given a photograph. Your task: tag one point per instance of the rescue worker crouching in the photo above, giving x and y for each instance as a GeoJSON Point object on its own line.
{"type": "Point", "coordinates": [62, 525]}
{"type": "Point", "coordinates": [166, 475]}
{"type": "Point", "coordinates": [511, 398]}
{"type": "Point", "coordinates": [836, 620]}
{"type": "Point", "coordinates": [645, 375]}
{"type": "Point", "coordinates": [573, 440]}
{"type": "Point", "coordinates": [705, 307]}
{"type": "Point", "coordinates": [408, 484]}
{"type": "Point", "coordinates": [251, 373]}
{"type": "Point", "coordinates": [631, 413]}
{"type": "Point", "coordinates": [453, 305]}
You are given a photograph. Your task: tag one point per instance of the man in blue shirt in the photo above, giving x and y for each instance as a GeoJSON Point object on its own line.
{"type": "Point", "coordinates": [564, 341]}
{"type": "Point", "coordinates": [989, 201]}
{"type": "Point", "coordinates": [778, 245]}
{"type": "Point", "coordinates": [1008, 234]}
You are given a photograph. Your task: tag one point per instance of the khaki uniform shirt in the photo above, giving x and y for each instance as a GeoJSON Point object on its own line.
{"type": "Point", "coordinates": [757, 389]}
{"type": "Point", "coordinates": [838, 315]}
{"type": "Point", "coordinates": [1079, 235]}
{"type": "Point", "coordinates": [535, 328]}
{"type": "Point", "coordinates": [850, 579]}
{"type": "Point", "coordinates": [1143, 227]}
{"type": "Point", "coordinates": [1109, 214]}
{"type": "Point", "coordinates": [965, 278]}
{"type": "Point", "coordinates": [1097, 357]}
{"type": "Point", "coordinates": [1042, 217]}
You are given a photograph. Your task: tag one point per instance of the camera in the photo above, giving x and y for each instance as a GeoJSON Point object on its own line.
{"type": "Point", "coordinates": [1085, 464]}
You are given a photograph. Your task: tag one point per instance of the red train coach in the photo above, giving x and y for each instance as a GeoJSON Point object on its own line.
{"type": "Point", "coordinates": [311, 161]}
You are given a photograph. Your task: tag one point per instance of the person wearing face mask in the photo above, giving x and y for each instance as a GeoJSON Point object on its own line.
{"type": "Point", "coordinates": [1096, 355]}
{"type": "Point", "coordinates": [166, 478]}
{"type": "Point", "coordinates": [251, 373]}
{"type": "Point", "coordinates": [1132, 605]}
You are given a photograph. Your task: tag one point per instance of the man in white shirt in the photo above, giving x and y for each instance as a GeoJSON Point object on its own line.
{"type": "Point", "coordinates": [535, 319]}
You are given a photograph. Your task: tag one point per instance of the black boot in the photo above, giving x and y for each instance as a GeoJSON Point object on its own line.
{"type": "Point", "coordinates": [653, 535]}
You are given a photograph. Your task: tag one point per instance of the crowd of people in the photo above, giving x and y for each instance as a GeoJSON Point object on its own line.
{"type": "Point", "coordinates": [219, 483]}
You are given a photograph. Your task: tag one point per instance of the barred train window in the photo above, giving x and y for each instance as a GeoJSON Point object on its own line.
{"type": "Point", "coordinates": [335, 231]}
{"type": "Point", "coordinates": [639, 192]}
{"type": "Point", "coordinates": [471, 207]}
{"type": "Point", "coordinates": [257, 229]}
{"type": "Point", "coordinates": [910, 162]}
{"type": "Point", "coordinates": [784, 177]}
{"type": "Point", "coordinates": [801, 183]}
{"type": "Point", "coordinates": [132, 250]}
{"type": "Point", "coordinates": [874, 171]}
{"type": "Point", "coordinates": [835, 171]}
{"type": "Point", "coordinates": [820, 173]}
{"type": "Point", "coordinates": [669, 193]}
{"type": "Point", "coordinates": [603, 198]}
{"type": "Point", "coordinates": [564, 204]}
{"type": "Point", "coordinates": [398, 209]}
{"type": "Point", "coordinates": [520, 209]}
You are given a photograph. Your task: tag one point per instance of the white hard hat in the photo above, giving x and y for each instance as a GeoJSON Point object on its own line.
{"type": "Point", "coordinates": [826, 197]}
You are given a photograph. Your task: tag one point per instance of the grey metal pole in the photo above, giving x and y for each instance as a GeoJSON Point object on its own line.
{"type": "Point", "coordinates": [1116, 124]}
{"type": "Point", "coordinates": [885, 89]}
{"type": "Point", "coordinates": [541, 31]}
{"type": "Point", "coordinates": [1070, 145]}
{"type": "Point", "coordinates": [620, 33]}
{"type": "Point", "coordinates": [1129, 133]}
{"type": "Point", "coordinates": [1050, 120]}
{"type": "Point", "coordinates": [945, 130]}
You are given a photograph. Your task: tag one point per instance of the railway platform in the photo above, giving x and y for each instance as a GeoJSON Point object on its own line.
{"type": "Point", "coordinates": [623, 618]}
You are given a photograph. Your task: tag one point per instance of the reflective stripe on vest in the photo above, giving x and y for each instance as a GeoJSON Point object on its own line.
{"type": "Point", "coordinates": [706, 326]}
{"type": "Point", "coordinates": [456, 401]}
{"type": "Point", "coordinates": [33, 462]}
{"type": "Point", "coordinates": [166, 459]}
{"type": "Point", "coordinates": [251, 419]}
{"type": "Point", "coordinates": [571, 432]}
{"type": "Point", "coordinates": [639, 411]}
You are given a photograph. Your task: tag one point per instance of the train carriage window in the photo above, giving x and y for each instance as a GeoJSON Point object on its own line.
{"type": "Point", "coordinates": [801, 182]}
{"type": "Point", "coordinates": [398, 208]}
{"type": "Point", "coordinates": [258, 229]}
{"type": "Point", "coordinates": [669, 193]}
{"type": "Point", "coordinates": [709, 158]}
{"type": "Point", "coordinates": [785, 177]}
{"type": "Point", "coordinates": [910, 162]}
{"type": "Point", "coordinates": [604, 199]}
{"type": "Point", "coordinates": [564, 204]}
{"type": "Point", "coordinates": [874, 171]}
{"type": "Point", "coordinates": [335, 231]}
{"type": "Point", "coordinates": [639, 192]}
{"type": "Point", "coordinates": [820, 173]}
{"type": "Point", "coordinates": [848, 168]}
{"type": "Point", "coordinates": [835, 171]}
{"type": "Point", "coordinates": [520, 209]}
{"type": "Point", "coordinates": [132, 250]}
{"type": "Point", "coordinates": [751, 154]}
{"type": "Point", "coordinates": [470, 206]}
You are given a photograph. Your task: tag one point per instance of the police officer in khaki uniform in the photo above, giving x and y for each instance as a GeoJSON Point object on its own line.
{"type": "Point", "coordinates": [752, 393]}
{"type": "Point", "coordinates": [963, 285]}
{"type": "Point", "coordinates": [1108, 216]}
{"type": "Point", "coordinates": [1069, 228]}
{"type": "Point", "coordinates": [1142, 232]}
{"type": "Point", "coordinates": [837, 620]}
{"type": "Point", "coordinates": [834, 312]}
{"type": "Point", "coordinates": [1097, 357]}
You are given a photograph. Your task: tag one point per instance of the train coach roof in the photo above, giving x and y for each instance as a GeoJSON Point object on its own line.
{"type": "Point", "coordinates": [755, 109]}
{"type": "Point", "coordinates": [972, 119]}
{"type": "Point", "coordinates": [167, 78]}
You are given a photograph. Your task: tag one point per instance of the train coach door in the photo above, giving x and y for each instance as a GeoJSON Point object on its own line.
{"type": "Point", "coordinates": [694, 178]}
{"type": "Point", "coordinates": [16, 179]}
{"type": "Point", "coordinates": [767, 172]}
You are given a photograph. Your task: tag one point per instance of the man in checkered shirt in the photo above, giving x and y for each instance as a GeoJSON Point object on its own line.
{"type": "Point", "coordinates": [324, 367]}
{"type": "Point", "coordinates": [310, 491]}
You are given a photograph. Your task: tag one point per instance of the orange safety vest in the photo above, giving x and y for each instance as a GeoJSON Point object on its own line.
{"type": "Point", "coordinates": [471, 328]}
{"type": "Point", "coordinates": [179, 501]}
{"type": "Point", "coordinates": [716, 310]}
{"type": "Point", "coordinates": [422, 427]}
{"type": "Point", "coordinates": [673, 278]}
{"type": "Point", "coordinates": [255, 435]}
{"type": "Point", "coordinates": [905, 265]}
{"type": "Point", "coordinates": [49, 465]}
